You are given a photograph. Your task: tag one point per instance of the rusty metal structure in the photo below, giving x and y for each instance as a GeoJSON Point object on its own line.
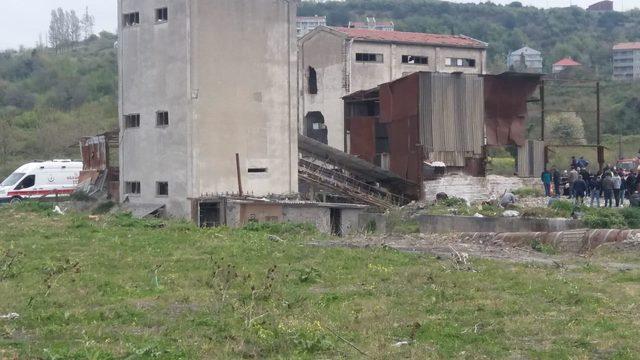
{"type": "Point", "coordinates": [98, 174]}
{"type": "Point", "coordinates": [448, 118]}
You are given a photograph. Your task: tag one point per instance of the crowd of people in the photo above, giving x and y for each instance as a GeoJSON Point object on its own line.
{"type": "Point", "coordinates": [610, 187]}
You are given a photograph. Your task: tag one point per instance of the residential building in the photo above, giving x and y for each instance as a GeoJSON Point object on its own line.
{"type": "Point", "coordinates": [304, 24]}
{"type": "Point", "coordinates": [372, 24]}
{"type": "Point", "coordinates": [205, 105]}
{"type": "Point", "coordinates": [525, 59]}
{"type": "Point", "coordinates": [335, 62]}
{"type": "Point", "coordinates": [601, 6]}
{"type": "Point", "coordinates": [566, 63]}
{"type": "Point", "coordinates": [626, 61]}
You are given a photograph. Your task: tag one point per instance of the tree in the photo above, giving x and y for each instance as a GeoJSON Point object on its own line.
{"type": "Point", "coordinates": [55, 35]}
{"type": "Point", "coordinates": [75, 29]}
{"type": "Point", "coordinates": [566, 129]}
{"type": "Point", "coordinates": [65, 29]}
{"type": "Point", "coordinates": [87, 23]}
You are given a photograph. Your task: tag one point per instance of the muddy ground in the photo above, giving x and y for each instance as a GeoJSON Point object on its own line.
{"type": "Point", "coordinates": [486, 246]}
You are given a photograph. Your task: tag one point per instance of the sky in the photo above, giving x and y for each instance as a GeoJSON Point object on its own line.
{"type": "Point", "coordinates": [23, 21]}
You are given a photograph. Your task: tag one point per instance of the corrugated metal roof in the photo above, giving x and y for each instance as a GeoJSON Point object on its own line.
{"type": "Point", "coordinates": [411, 37]}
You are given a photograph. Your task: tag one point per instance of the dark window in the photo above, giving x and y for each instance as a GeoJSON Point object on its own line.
{"type": "Point", "coordinates": [365, 57]}
{"type": "Point", "coordinates": [257, 170]}
{"type": "Point", "coordinates": [162, 14]}
{"type": "Point", "coordinates": [132, 121]}
{"type": "Point", "coordinates": [313, 81]}
{"type": "Point", "coordinates": [458, 62]}
{"type": "Point", "coordinates": [131, 19]}
{"type": "Point", "coordinates": [132, 187]}
{"type": "Point", "coordinates": [417, 60]}
{"type": "Point", "coordinates": [27, 182]}
{"type": "Point", "coordinates": [162, 188]}
{"type": "Point", "coordinates": [162, 118]}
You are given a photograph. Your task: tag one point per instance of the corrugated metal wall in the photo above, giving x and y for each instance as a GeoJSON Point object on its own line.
{"type": "Point", "coordinates": [531, 158]}
{"type": "Point", "coordinates": [451, 117]}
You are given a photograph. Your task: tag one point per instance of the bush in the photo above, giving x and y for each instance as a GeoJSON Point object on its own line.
{"type": "Point", "coordinates": [453, 202]}
{"type": "Point", "coordinates": [528, 192]}
{"type": "Point", "coordinates": [280, 228]}
{"type": "Point", "coordinates": [604, 219]}
{"type": "Point", "coordinates": [632, 217]}
{"type": "Point", "coordinates": [539, 212]}
{"type": "Point", "coordinates": [563, 208]}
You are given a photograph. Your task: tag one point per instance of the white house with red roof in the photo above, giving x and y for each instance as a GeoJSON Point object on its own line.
{"type": "Point", "coordinates": [566, 63]}
{"type": "Point", "coordinates": [626, 61]}
{"type": "Point", "coordinates": [335, 62]}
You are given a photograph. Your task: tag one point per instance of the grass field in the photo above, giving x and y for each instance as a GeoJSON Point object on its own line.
{"type": "Point", "coordinates": [116, 288]}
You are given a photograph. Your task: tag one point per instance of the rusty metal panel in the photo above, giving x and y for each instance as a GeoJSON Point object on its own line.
{"type": "Point", "coordinates": [363, 137]}
{"type": "Point", "coordinates": [506, 107]}
{"type": "Point", "coordinates": [531, 158]}
{"type": "Point", "coordinates": [95, 153]}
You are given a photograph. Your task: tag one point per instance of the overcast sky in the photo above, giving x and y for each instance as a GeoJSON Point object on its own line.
{"type": "Point", "coordinates": [23, 21]}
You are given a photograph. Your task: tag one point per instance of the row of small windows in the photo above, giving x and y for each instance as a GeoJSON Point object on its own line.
{"type": "Point", "coordinates": [416, 60]}
{"type": "Point", "coordinates": [133, 120]}
{"type": "Point", "coordinates": [134, 188]}
{"type": "Point", "coordinates": [133, 18]}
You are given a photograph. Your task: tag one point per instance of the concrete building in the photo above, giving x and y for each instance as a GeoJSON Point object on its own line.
{"type": "Point", "coordinates": [372, 24]}
{"type": "Point", "coordinates": [525, 59]}
{"type": "Point", "coordinates": [335, 62]}
{"type": "Point", "coordinates": [195, 92]}
{"type": "Point", "coordinates": [564, 64]}
{"type": "Point", "coordinates": [305, 24]}
{"type": "Point", "coordinates": [626, 61]}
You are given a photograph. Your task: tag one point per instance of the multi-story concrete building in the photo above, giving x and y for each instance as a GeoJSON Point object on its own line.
{"type": "Point", "coordinates": [626, 61]}
{"type": "Point", "coordinates": [196, 92]}
{"type": "Point", "coordinates": [335, 62]}
{"type": "Point", "coordinates": [525, 59]}
{"type": "Point", "coordinates": [305, 24]}
{"type": "Point", "coordinates": [372, 24]}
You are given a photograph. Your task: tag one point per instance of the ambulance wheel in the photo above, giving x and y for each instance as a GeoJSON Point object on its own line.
{"type": "Point", "coordinates": [15, 200]}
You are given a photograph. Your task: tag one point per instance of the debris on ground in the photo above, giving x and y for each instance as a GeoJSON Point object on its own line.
{"type": "Point", "coordinates": [10, 316]}
{"type": "Point", "coordinates": [511, 213]}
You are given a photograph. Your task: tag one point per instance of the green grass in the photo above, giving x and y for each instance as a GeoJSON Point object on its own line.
{"type": "Point", "coordinates": [123, 288]}
{"type": "Point", "coordinates": [504, 166]}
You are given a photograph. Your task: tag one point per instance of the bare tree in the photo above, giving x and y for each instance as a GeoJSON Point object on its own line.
{"type": "Point", "coordinates": [87, 22]}
{"type": "Point", "coordinates": [54, 35]}
{"type": "Point", "coordinates": [75, 30]}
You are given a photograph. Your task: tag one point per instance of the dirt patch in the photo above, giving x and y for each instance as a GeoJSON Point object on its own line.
{"type": "Point", "coordinates": [484, 246]}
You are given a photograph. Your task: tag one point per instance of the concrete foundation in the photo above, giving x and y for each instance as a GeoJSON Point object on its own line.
{"type": "Point", "coordinates": [449, 224]}
{"type": "Point", "coordinates": [476, 188]}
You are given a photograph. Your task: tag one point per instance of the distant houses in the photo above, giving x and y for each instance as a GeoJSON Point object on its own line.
{"type": "Point", "coordinates": [525, 59]}
{"type": "Point", "coordinates": [626, 61]}
{"type": "Point", "coordinates": [564, 64]}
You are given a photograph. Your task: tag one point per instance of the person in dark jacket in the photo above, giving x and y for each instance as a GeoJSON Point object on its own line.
{"type": "Point", "coordinates": [595, 188]}
{"type": "Point", "coordinates": [556, 181]}
{"type": "Point", "coordinates": [574, 162]}
{"type": "Point", "coordinates": [631, 184]}
{"type": "Point", "coordinates": [607, 189]}
{"type": "Point", "coordinates": [579, 190]}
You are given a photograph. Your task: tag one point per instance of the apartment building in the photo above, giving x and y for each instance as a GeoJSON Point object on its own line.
{"type": "Point", "coordinates": [626, 61]}
{"type": "Point", "coordinates": [305, 24]}
{"type": "Point", "coordinates": [372, 24]}
{"type": "Point", "coordinates": [525, 59]}
{"type": "Point", "coordinates": [197, 95]}
{"type": "Point", "coordinates": [335, 62]}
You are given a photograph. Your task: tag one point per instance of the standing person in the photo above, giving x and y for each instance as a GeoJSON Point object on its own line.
{"type": "Point", "coordinates": [631, 184]}
{"type": "Point", "coordinates": [574, 163]}
{"type": "Point", "coordinates": [573, 176]}
{"type": "Point", "coordinates": [579, 190]}
{"type": "Point", "coordinates": [617, 182]}
{"type": "Point", "coordinates": [582, 163]}
{"type": "Point", "coordinates": [595, 187]}
{"type": "Point", "coordinates": [546, 178]}
{"type": "Point", "coordinates": [607, 189]}
{"type": "Point", "coordinates": [585, 176]}
{"type": "Point", "coordinates": [556, 181]}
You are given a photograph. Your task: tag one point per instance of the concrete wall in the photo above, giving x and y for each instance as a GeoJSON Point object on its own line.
{"type": "Point", "coordinates": [317, 216]}
{"type": "Point", "coordinates": [229, 86]}
{"type": "Point", "coordinates": [152, 79]}
{"type": "Point", "coordinates": [244, 74]}
{"type": "Point", "coordinates": [476, 188]}
{"type": "Point", "coordinates": [449, 224]}
{"type": "Point", "coordinates": [334, 58]}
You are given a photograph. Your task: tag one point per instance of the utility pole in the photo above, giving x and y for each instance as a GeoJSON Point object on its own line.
{"type": "Point", "coordinates": [600, 148]}
{"type": "Point", "coordinates": [542, 111]}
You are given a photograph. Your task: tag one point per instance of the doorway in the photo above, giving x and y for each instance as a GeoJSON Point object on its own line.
{"type": "Point", "coordinates": [209, 214]}
{"type": "Point", "coordinates": [336, 222]}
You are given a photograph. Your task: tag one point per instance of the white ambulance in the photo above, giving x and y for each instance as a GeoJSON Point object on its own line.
{"type": "Point", "coordinates": [39, 180]}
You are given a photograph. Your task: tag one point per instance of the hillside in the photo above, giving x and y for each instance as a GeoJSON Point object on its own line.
{"type": "Point", "coordinates": [48, 100]}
